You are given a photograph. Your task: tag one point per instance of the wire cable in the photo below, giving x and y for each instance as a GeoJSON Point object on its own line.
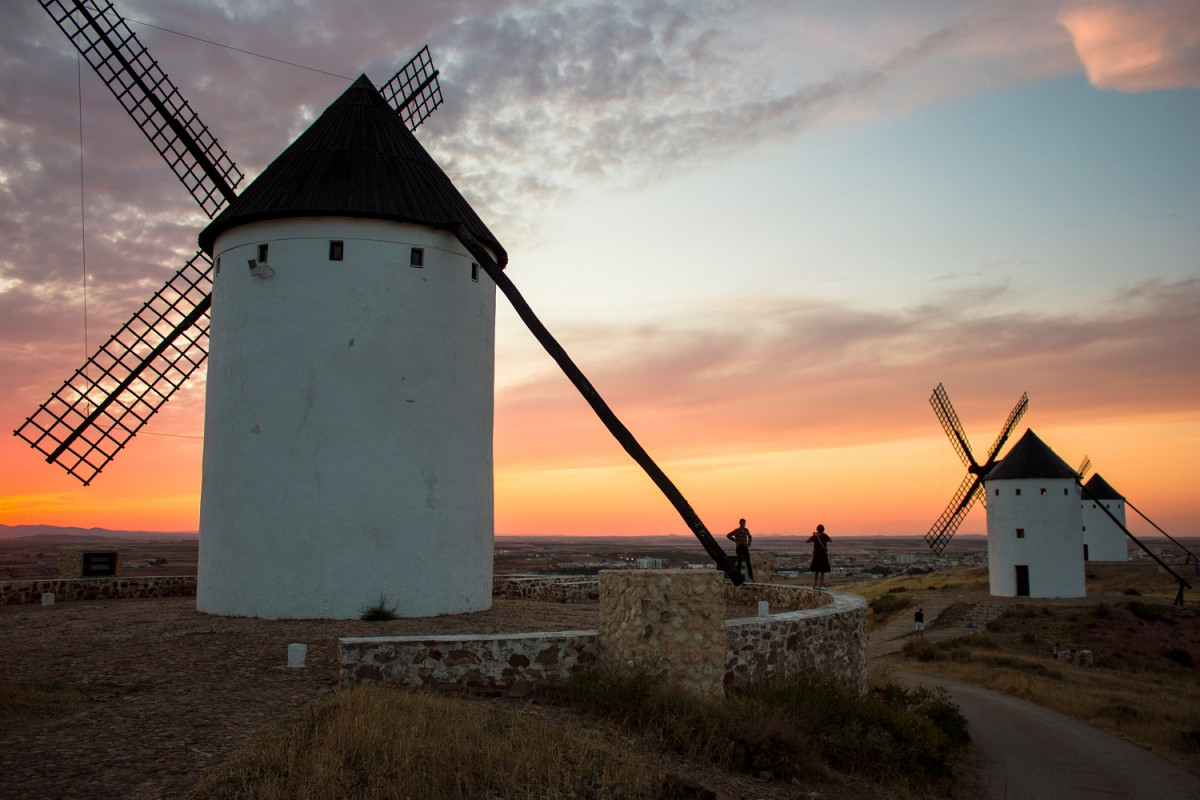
{"type": "Point", "coordinates": [238, 49]}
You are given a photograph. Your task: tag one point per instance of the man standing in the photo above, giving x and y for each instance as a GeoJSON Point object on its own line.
{"type": "Point", "coordinates": [741, 537]}
{"type": "Point", "coordinates": [919, 618]}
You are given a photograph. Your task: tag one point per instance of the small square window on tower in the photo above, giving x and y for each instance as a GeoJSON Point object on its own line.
{"type": "Point", "coordinates": [1018, 492]}
{"type": "Point", "coordinates": [416, 257]}
{"type": "Point", "coordinates": [1043, 492]}
{"type": "Point", "coordinates": [1065, 490]}
{"type": "Point", "coordinates": [337, 249]}
{"type": "Point", "coordinates": [475, 272]}
{"type": "Point", "coordinates": [262, 253]}
{"type": "Point", "coordinates": [1020, 533]}
{"type": "Point", "coordinates": [218, 265]}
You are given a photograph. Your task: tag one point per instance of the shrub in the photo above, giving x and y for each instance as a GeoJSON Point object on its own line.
{"type": "Point", "coordinates": [888, 604]}
{"type": "Point", "coordinates": [1101, 610]}
{"type": "Point", "coordinates": [921, 649]}
{"type": "Point", "coordinates": [1133, 592]}
{"type": "Point", "coordinates": [1180, 656]}
{"type": "Point", "coordinates": [1147, 611]}
{"type": "Point", "coordinates": [380, 612]}
{"type": "Point", "coordinates": [897, 590]}
{"type": "Point", "coordinates": [786, 727]}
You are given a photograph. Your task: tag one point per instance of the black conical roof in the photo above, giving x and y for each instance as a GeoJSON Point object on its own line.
{"type": "Point", "coordinates": [1101, 490]}
{"type": "Point", "coordinates": [357, 159]}
{"type": "Point", "coordinates": [1031, 458]}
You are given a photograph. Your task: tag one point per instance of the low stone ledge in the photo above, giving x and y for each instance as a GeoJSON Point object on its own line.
{"type": "Point", "coordinates": [67, 589]}
{"type": "Point", "coordinates": [512, 665]}
{"type": "Point", "coordinates": [830, 638]}
{"type": "Point", "coordinates": [547, 588]}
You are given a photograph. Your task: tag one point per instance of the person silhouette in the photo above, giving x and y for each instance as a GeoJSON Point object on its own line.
{"type": "Point", "coordinates": [820, 556]}
{"type": "Point", "coordinates": [741, 537]}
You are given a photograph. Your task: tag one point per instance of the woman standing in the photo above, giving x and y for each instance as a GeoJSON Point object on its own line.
{"type": "Point", "coordinates": [820, 557]}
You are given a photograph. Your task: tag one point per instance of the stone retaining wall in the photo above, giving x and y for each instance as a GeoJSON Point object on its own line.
{"type": "Point", "coordinates": [827, 633]}
{"type": "Point", "coordinates": [832, 639]}
{"type": "Point", "coordinates": [547, 588]}
{"type": "Point", "coordinates": [512, 665]}
{"type": "Point", "coordinates": [668, 619]}
{"type": "Point", "coordinates": [65, 589]}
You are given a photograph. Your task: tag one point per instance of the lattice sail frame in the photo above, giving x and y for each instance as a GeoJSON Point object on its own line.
{"type": "Point", "coordinates": [971, 488]}
{"type": "Point", "coordinates": [95, 413]}
{"type": "Point", "coordinates": [414, 91]}
{"type": "Point", "coordinates": [113, 50]}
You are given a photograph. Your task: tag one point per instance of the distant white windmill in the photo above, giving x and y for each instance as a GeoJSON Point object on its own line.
{"type": "Point", "coordinates": [1035, 544]}
{"type": "Point", "coordinates": [1034, 524]}
{"type": "Point", "coordinates": [1103, 534]}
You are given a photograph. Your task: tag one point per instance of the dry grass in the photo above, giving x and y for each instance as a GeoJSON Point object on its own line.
{"type": "Point", "coordinates": [376, 742]}
{"type": "Point", "coordinates": [619, 736]}
{"type": "Point", "coordinates": [887, 598]}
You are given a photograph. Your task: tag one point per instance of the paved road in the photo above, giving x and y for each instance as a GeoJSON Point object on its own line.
{"type": "Point", "coordinates": [1028, 752]}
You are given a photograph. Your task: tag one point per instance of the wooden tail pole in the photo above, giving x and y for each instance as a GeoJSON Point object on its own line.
{"type": "Point", "coordinates": [1190, 555]}
{"type": "Point", "coordinates": [606, 415]}
{"type": "Point", "coordinates": [1100, 504]}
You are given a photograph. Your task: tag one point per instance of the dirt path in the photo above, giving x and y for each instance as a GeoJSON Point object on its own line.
{"type": "Point", "coordinates": [1030, 752]}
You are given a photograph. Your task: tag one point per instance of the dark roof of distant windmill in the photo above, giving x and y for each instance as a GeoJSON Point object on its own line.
{"type": "Point", "coordinates": [1101, 490]}
{"type": "Point", "coordinates": [1031, 458]}
{"type": "Point", "coordinates": [357, 159]}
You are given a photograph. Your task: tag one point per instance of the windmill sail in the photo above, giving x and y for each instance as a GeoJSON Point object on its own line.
{"type": "Point", "coordinates": [414, 91]}
{"type": "Point", "coordinates": [96, 411]}
{"type": "Point", "coordinates": [105, 40]}
{"type": "Point", "coordinates": [971, 488]}
{"type": "Point", "coordinates": [92, 416]}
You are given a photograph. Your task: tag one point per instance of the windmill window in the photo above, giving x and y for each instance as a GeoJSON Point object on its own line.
{"type": "Point", "coordinates": [1043, 492]}
{"type": "Point", "coordinates": [1065, 491]}
{"type": "Point", "coordinates": [262, 253]}
{"type": "Point", "coordinates": [218, 265]}
{"type": "Point", "coordinates": [337, 249]}
{"type": "Point", "coordinates": [416, 257]}
{"type": "Point", "coordinates": [997, 493]}
{"type": "Point", "coordinates": [1018, 492]}
{"type": "Point", "coordinates": [1020, 533]}
{"type": "Point", "coordinates": [475, 272]}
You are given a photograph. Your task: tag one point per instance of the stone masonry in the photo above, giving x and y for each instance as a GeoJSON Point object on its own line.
{"type": "Point", "coordinates": [65, 589]}
{"type": "Point", "coordinates": [807, 628]}
{"type": "Point", "coordinates": [665, 619]}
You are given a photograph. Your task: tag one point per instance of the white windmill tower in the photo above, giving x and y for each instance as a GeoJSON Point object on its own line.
{"type": "Point", "coordinates": [1103, 535]}
{"type": "Point", "coordinates": [348, 416]}
{"type": "Point", "coordinates": [363, 268]}
{"type": "Point", "coordinates": [1031, 549]}
{"type": "Point", "coordinates": [1035, 528]}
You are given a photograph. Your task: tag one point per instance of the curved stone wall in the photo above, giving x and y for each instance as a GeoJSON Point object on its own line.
{"type": "Point", "coordinates": [827, 632]}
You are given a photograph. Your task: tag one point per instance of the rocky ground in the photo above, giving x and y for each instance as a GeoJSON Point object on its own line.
{"type": "Point", "coordinates": [173, 691]}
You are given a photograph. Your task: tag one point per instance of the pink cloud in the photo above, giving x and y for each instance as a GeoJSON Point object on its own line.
{"type": "Point", "coordinates": [1137, 48]}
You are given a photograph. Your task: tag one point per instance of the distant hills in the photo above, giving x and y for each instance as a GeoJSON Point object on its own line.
{"type": "Point", "coordinates": [18, 532]}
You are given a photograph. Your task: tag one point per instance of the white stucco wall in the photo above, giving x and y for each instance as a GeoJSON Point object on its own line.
{"type": "Point", "coordinates": [348, 427]}
{"type": "Point", "coordinates": [1104, 539]}
{"type": "Point", "coordinates": [1052, 546]}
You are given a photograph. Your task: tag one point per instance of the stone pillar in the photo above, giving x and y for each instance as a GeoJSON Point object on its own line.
{"type": "Point", "coordinates": [764, 565]}
{"type": "Point", "coordinates": [670, 619]}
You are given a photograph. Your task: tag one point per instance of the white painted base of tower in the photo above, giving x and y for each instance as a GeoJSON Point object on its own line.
{"type": "Point", "coordinates": [348, 429]}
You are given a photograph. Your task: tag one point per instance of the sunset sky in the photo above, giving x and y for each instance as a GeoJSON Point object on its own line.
{"type": "Point", "coordinates": [764, 230]}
